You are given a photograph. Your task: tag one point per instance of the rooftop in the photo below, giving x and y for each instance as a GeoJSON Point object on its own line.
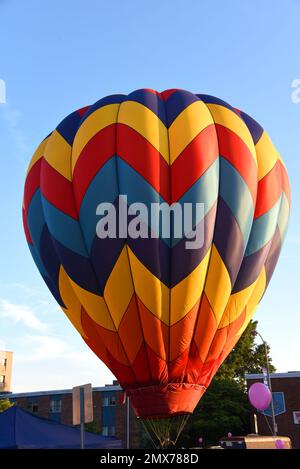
{"type": "Point", "coordinates": [289, 374]}
{"type": "Point", "coordinates": [54, 392]}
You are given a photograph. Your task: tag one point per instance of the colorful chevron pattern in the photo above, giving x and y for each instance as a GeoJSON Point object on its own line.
{"type": "Point", "coordinates": [161, 317]}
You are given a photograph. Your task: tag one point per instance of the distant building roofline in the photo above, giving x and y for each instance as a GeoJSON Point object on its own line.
{"type": "Point", "coordinates": [289, 374]}
{"type": "Point", "coordinates": [55, 392]}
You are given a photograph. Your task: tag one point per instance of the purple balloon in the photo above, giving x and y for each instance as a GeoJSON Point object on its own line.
{"type": "Point", "coordinates": [200, 439]}
{"type": "Point", "coordinates": [260, 396]}
{"type": "Point", "coordinates": [279, 444]}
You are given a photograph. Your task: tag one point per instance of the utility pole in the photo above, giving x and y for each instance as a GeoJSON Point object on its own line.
{"type": "Point", "coordinates": [255, 424]}
{"type": "Point", "coordinates": [269, 383]}
{"type": "Point", "coordinates": [82, 434]}
{"type": "Point", "coordinates": [127, 422]}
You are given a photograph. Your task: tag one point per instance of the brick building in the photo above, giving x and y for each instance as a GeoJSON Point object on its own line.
{"type": "Point", "coordinates": [110, 413]}
{"type": "Point", "coordinates": [5, 370]}
{"type": "Point", "coordinates": [286, 398]}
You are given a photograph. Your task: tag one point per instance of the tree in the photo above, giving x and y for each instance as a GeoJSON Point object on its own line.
{"type": "Point", "coordinates": [92, 427]}
{"type": "Point", "coordinates": [4, 404]}
{"type": "Point", "coordinates": [224, 407]}
{"type": "Point", "coordinates": [246, 357]}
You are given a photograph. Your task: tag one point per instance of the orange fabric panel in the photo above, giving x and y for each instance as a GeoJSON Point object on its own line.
{"type": "Point", "coordinates": [158, 366]}
{"type": "Point", "coordinates": [109, 338]}
{"type": "Point", "coordinates": [206, 373]}
{"type": "Point", "coordinates": [205, 328]}
{"type": "Point", "coordinates": [217, 344]}
{"type": "Point", "coordinates": [130, 331]}
{"type": "Point", "coordinates": [125, 373]}
{"type": "Point", "coordinates": [194, 365]}
{"type": "Point", "coordinates": [156, 333]}
{"type": "Point", "coordinates": [181, 333]}
{"type": "Point", "coordinates": [141, 366]}
{"type": "Point", "coordinates": [229, 332]}
{"type": "Point", "coordinates": [177, 368]}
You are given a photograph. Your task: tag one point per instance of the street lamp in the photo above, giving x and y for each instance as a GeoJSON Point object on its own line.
{"type": "Point", "coordinates": [269, 383]}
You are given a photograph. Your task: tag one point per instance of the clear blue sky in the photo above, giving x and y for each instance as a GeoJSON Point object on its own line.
{"type": "Point", "coordinates": [57, 56]}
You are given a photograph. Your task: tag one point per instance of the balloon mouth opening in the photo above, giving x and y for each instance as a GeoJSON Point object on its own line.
{"type": "Point", "coordinates": [163, 401]}
{"type": "Point", "coordinates": [165, 432]}
{"type": "Point", "coordinates": [164, 416]}
{"type": "Point", "coordinates": [164, 409]}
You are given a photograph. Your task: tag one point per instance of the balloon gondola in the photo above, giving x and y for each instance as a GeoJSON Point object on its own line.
{"type": "Point", "coordinates": [161, 317]}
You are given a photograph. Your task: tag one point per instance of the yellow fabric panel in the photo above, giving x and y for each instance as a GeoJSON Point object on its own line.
{"type": "Point", "coordinates": [267, 155]}
{"type": "Point", "coordinates": [94, 123]}
{"type": "Point", "coordinates": [73, 305]}
{"type": "Point", "coordinates": [235, 305]}
{"type": "Point", "coordinates": [227, 118]}
{"type": "Point", "coordinates": [218, 284]}
{"type": "Point", "coordinates": [257, 293]}
{"type": "Point", "coordinates": [152, 292]}
{"type": "Point", "coordinates": [119, 288]}
{"type": "Point", "coordinates": [190, 122]}
{"type": "Point", "coordinates": [39, 152]}
{"type": "Point", "coordinates": [58, 154]}
{"type": "Point", "coordinates": [94, 305]}
{"type": "Point", "coordinates": [146, 123]}
{"type": "Point", "coordinates": [281, 160]}
{"type": "Point", "coordinates": [186, 293]}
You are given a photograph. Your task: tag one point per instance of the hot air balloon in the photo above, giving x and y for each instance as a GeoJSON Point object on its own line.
{"type": "Point", "coordinates": [161, 316]}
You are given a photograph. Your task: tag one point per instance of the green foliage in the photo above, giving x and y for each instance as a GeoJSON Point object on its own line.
{"type": "Point", "coordinates": [93, 427]}
{"type": "Point", "coordinates": [224, 407]}
{"type": "Point", "coordinates": [4, 404]}
{"type": "Point", "coordinates": [246, 357]}
{"type": "Point", "coordinates": [145, 439]}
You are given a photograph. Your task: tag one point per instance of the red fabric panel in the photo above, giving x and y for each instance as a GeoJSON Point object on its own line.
{"type": "Point", "coordinates": [158, 366]}
{"type": "Point", "coordinates": [285, 183]}
{"type": "Point", "coordinates": [32, 183]}
{"type": "Point", "coordinates": [83, 110]}
{"type": "Point", "coordinates": [57, 190]}
{"type": "Point", "coordinates": [233, 149]}
{"type": "Point", "coordinates": [25, 225]}
{"type": "Point", "coordinates": [167, 93]}
{"type": "Point", "coordinates": [93, 156]}
{"type": "Point", "coordinates": [269, 190]}
{"type": "Point", "coordinates": [177, 367]}
{"type": "Point", "coordinates": [195, 159]}
{"type": "Point", "coordinates": [140, 367]}
{"type": "Point", "coordinates": [204, 333]}
{"type": "Point", "coordinates": [144, 158]}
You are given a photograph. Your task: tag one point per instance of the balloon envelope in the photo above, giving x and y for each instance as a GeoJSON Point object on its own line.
{"type": "Point", "coordinates": [161, 315]}
{"type": "Point", "coordinates": [260, 396]}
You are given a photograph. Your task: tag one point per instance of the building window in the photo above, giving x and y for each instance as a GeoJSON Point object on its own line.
{"type": "Point", "coordinates": [104, 431]}
{"type": "Point", "coordinates": [111, 431]}
{"type": "Point", "coordinates": [108, 430]}
{"type": "Point", "coordinates": [2, 379]}
{"type": "Point", "coordinates": [32, 405]}
{"type": "Point", "coordinates": [4, 362]}
{"type": "Point", "coordinates": [55, 406]}
{"type": "Point", "coordinates": [108, 400]}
